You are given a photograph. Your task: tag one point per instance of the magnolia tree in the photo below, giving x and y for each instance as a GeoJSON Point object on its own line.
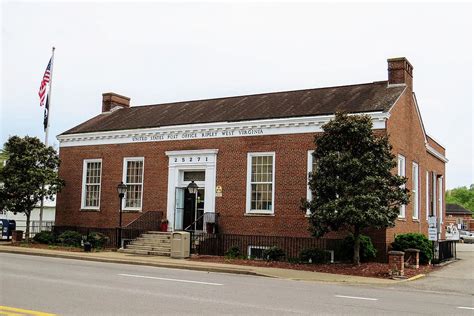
{"type": "Point", "coordinates": [353, 184]}
{"type": "Point", "coordinates": [30, 173]}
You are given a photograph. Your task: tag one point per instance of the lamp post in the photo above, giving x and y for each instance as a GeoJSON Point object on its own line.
{"type": "Point", "coordinates": [193, 189]}
{"type": "Point", "coordinates": [121, 189]}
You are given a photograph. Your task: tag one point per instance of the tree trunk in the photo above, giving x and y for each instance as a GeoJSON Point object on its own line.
{"type": "Point", "coordinates": [27, 230]}
{"type": "Point", "coordinates": [356, 258]}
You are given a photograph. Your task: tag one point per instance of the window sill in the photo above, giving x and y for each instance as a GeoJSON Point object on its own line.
{"type": "Point", "coordinates": [416, 220]}
{"type": "Point", "coordinates": [90, 210]}
{"type": "Point", "coordinates": [259, 214]}
{"type": "Point", "coordinates": [131, 211]}
{"type": "Point", "coordinates": [401, 219]}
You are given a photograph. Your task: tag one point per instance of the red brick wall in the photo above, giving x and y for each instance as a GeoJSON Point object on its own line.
{"type": "Point", "coordinates": [406, 137]}
{"type": "Point", "coordinates": [290, 182]}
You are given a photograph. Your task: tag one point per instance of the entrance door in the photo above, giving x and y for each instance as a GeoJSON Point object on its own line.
{"type": "Point", "coordinates": [179, 208]}
{"type": "Point", "coordinates": [189, 210]}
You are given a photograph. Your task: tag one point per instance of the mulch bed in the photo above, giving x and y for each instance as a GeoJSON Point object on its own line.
{"type": "Point", "coordinates": [367, 269]}
{"type": "Point", "coordinates": [51, 247]}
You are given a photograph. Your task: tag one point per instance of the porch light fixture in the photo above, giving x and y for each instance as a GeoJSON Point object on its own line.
{"type": "Point", "coordinates": [121, 190]}
{"type": "Point", "coordinates": [192, 188]}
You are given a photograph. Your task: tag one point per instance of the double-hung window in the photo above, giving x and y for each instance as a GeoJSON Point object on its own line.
{"type": "Point", "coordinates": [311, 168]}
{"type": "Point", "coordinates": [260, 183]}
{"type": "Point", "coordinates": [91, 179]}
{"type": "Point", "coordinates": [415, 190]}
{"type": "Point", "coordinates": [133, 178]}
{"type": "Point", "coordinates": [402, 173]}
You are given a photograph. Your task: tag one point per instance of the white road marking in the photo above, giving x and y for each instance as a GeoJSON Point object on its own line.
{"type": "Point", "coordinates": [166, 279]}
{"type": "Point", "coordinates": [358, 298]}
{"type": "Point", "coordinates": [462, 307]}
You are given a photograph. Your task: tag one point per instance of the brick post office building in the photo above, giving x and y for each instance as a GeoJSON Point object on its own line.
{"type": "Point", "coordinates": [249, 155]}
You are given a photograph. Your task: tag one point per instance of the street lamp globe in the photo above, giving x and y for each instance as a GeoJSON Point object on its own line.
{"type": "Point", "coordinates": [121, 189]}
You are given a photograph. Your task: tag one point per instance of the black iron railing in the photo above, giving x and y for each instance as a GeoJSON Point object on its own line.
{"type": "Point", "coordinates": [252, 245]}
{"type": "Point", "coordinates": [446, 250]}
{"type": "Point", "coordinates": [150, 220]}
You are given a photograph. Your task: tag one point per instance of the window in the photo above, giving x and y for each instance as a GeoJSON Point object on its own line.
{"type": "Point", "coordinates": [402, 173]}
{"type": "Point", "coordinates": [256, 252]}
{"type": "Point", "coordinates": [311, 168]}
{"type": "Point", "coordinates": [260, 182]}
{"type": "Point", "coordinates": [91, 177]}
{"type": "Point", "coordinates": [133, 178]}
{"type": "Point", "coordinates": [427, 191]}
{"type": "Point", "coordinates": [440, 198]}
{"type": "Point", "coordinates": [194, 176]}
{"type": "Point", "coordinates": [415, 184]}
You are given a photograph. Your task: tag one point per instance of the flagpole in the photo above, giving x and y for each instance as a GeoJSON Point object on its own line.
{"type": "Point", "coordinates": [49, 99]}
{"type": "Point", "coordinates": [46, 133]}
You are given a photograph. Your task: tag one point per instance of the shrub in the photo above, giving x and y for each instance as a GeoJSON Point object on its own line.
{"type": "Point", "coordinates": [45, 237]}
{"type": "Point", "coordinates": [97, 240]}
{"type": "Point", "coordinates": [417, 241]}
{"type": "Point", "coordinates": [274, 254]}
{"type": "Point", "coordinates": [233, 252]}
{"type": "Point", "coordinates": [70, 238]}
{"type": "Point", "coordinates": [315, 255]}
{"type": "Point", "coordinates": [367, 249]}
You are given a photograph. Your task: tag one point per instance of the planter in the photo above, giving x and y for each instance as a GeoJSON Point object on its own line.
{"type": "Point", "coordinates": [17, 236]}
{"type": "Point", "coordinates": [210, 228]}
{"type": "Point", "coordinates": [164, 227]}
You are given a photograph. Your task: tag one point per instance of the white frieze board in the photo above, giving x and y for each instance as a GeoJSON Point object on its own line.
{"type": "Point", "coordinates": [297, 125]}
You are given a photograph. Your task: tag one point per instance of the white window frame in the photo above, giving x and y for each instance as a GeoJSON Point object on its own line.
{"type": "Point", "coordinates": [124, 180]}
{"type": "Point", "coordinates": [84, 176]}
{"type": "Point", "coordinates": [249, 183]}
{"type": "Point", "coordinates": [427, 191]}
{"type": "Point", "coordinates": [416, 190]}
{"type": "Point", "coordinates": [434, 200]}
{"type": "Point", "coordinates": [402, 172]}
{"type": "Point", "coordinates": [250, 247]}
{"type": "Point", "coordinates": [440, 199]}
{"type": "Point", "coordinates": [309, 194]}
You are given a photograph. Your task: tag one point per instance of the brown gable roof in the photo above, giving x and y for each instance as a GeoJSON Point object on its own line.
{"type": "Point", "coordinates": [454, 209]}
{"type": "Point", "coordinates": [370, 97]}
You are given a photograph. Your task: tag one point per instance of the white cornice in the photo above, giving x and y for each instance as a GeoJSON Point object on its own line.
{"type": "Point", "coordinates": [294, 125]}
{"type": "Point", "coordinates": [436, 153]}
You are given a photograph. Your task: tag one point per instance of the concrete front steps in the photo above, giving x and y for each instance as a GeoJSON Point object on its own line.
{"type": "Point", "coordinates": [151, 243]}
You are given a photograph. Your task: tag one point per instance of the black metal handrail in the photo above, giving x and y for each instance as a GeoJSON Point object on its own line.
{"type": "Point", "coordinates": [205, 214]}
{"type": "Point", "coordinates": [149, 220]}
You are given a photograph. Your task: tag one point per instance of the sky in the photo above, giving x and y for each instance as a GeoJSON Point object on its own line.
{"type": "Point", "coordinates": [156, 52]}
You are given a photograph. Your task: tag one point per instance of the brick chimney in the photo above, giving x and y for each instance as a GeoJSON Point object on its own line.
{"type": "Point", "coordinates": [400, 71]}
{"type": "Point", "coordinates": [111, 100]}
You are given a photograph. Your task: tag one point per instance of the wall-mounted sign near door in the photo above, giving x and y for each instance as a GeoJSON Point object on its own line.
{"type": "Point", "coordinates": [218, 191]}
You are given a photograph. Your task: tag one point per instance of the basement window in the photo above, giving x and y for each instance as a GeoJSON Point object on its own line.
{"type": "Point", "coordinates": [256, 252]}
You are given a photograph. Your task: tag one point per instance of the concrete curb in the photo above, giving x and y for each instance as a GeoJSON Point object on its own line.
{"type": "Point", "coordinates": [133, 262]}
{"type": "Point", "coordinates": [416, 277]}
{"type": "Point", "coordinates": [204, 268]}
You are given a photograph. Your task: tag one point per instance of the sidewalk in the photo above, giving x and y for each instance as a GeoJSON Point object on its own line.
{"type": "Point", "coordinates": [166, 262]}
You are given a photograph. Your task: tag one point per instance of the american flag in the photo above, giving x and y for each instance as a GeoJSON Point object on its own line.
{"type": "Point", "coordinates": [44, 83]}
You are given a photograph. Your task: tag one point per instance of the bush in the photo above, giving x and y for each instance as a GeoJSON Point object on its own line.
{"type": "Point", "coordinates": [367, 250]}
{"type": "Point", "coordinates": [97, 240]}
{"type": "Point", "coordinates": [233, 253]}
{"type": "Point", "coordinates": [45, 237]}
{"type": "Point", "coordinates": [315, 255]}
{"type": "Point", "coordinates": [70, 238]}
{"type": "Point", "coordinates": [417, 241]}
{"type": "Point", "coordinates": [274, 254]}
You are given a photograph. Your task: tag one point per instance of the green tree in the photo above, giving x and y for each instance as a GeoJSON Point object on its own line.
{"type": "Point", "coordinates": [463, 196]}
{"type": "Point", "coordinates": [29, 174]}
{"type": "Point", "coordinates": [353, 185]}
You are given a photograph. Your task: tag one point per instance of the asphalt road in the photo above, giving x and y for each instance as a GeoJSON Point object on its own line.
{"type": "Point", "coordinates": [74, 287]}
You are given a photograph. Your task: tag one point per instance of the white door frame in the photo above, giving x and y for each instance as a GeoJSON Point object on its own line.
{"type": "Point", "coordinates": [191, 160]}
